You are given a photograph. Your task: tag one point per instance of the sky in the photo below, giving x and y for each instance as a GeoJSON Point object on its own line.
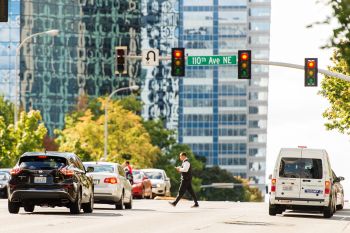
{"type": "Point", "coordinates": [294, 111]}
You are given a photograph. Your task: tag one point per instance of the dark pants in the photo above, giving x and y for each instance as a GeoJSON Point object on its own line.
{"type": "Point", "coordinates": [186, 185]}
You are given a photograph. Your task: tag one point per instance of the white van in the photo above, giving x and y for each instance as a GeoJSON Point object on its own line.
{"type": "Point", "coordinates": [302, 180]}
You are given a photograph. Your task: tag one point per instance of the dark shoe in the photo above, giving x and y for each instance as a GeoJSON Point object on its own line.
{"type": "Point", "coordinates": [172, 203]}
{"type": "Point", "coordinates": [195, 206]}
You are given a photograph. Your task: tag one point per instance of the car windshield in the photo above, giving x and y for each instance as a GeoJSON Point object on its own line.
{"type": "Point", "coordinates": [42, 162]}
{"type": "Point", "coordinates": [3, 176]}
{"type": "Point", "coordinates": [137, 175]}
{"type": "Point", "coordinates": [154, 175]}
{"type": "Point", "coordinates": [100, 167]}
{"type": "Point", "coordinates": [301, 168]}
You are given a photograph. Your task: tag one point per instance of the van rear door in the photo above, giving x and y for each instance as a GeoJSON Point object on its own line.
{"type": "Point", "coordinates": [311, 176]}
{"type": "Point", "coordinates": [288, 177]}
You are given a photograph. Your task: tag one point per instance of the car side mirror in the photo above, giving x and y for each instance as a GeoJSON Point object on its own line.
{"type": "Point", "coordinates": [167, 179]}
{"type": "Point", "coordinates": [90, 169]}
{"type": "Point", "coordinates": [270, 177]}
{"type": "Point", "coordinates": [341, 178]}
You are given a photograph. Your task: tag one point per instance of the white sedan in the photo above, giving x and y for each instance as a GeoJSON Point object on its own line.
{"type": "Point", "coordinates": [111, 185]}
{"type": "Point", "coordinates": [159, 180]}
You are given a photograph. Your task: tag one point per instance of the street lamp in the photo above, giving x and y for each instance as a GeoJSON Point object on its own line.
{"type": "Point", "coordinates": [54, 32]}
{"type": "Point", "coordinates": [131, 88]}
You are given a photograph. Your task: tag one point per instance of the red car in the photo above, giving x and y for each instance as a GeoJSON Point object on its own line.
{"type": "Point", "coordinates": [142, 186]}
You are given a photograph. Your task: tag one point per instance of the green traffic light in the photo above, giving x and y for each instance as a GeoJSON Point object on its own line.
{"type": "Point", "coordinates": [244, 73]}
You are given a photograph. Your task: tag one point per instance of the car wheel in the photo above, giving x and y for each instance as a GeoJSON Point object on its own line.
{"type": "Point", "coordinates": [29, 208]}
{"type": "Point", "coordinates": [89, 207]}
{"type": "Point", "coordinates": [129, 205]}
{"type": "Point", "coordinates": [120, 204]}
{"type": "Point", "coordinates": [76, 205]}
{"type": "Point", "coordinates": [272, 210]}
{"type": "Point", "coordinates": [328, 211]}
{"type": "Point", "coordinates": [340, 207]}
{"type": "Point", "coordinates": [13, 207]}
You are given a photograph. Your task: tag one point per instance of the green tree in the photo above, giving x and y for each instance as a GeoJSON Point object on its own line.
{"type": "Point", "coordinates": [28, 136]}
{"type": "Point", "coordinates": [6, 110]}
{"type": "Point", "coordinates": [84, 134]}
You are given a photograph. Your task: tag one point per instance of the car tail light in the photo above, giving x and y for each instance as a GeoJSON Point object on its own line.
{"type": "Point", "coordinates": [15, 171]}
{"type": "Point", "coordinates": [273, 185]}
{"type": "Point", "coordinates": [42, 156]}
{"type": "Point", "coordinates": [327, 188]}
{"type": "Point", "coordinates": [67, 172]}
{"type": "Point", "coordinates": [111, 180]}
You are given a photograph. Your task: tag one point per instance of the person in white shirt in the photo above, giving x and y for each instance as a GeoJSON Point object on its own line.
{"type": "Point", "coordinates": [186, 180]}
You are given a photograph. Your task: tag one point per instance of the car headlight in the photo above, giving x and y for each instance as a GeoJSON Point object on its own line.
{"type": "Point", "coordinates": [158, 185]}
{"type": "Point", "coordinates": [0, 185]}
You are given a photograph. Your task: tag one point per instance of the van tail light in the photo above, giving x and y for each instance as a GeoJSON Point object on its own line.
{"type": "Point", "coordinates": [327, 187]}
{"type": "Point", "coordinates": [15, 171]}
{"type": "Point", "coordinates": [67, 172]}
{"type": "Point", "coordinates": [111, 180]}
{"type": "Point", "coordinates": [273, 185]}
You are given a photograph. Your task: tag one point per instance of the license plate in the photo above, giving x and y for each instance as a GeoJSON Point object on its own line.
{"type": "Point", "coordinates": [287, 188]}
{"type": "Point", "coordinates": [40, 180]}
{"type": "Point", "coordinates": [96, 182]}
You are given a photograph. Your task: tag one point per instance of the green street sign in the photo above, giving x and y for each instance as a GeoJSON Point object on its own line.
{"type": "Point", "coordinates": [211, 60]}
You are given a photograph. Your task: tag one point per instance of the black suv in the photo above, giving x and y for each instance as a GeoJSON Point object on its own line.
{"type": "Point", "coordinates": [50, 179]}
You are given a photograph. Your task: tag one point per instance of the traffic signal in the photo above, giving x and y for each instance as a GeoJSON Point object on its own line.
{"type": "Point", "coordinates": [244, 64]}
{"type": "Point", "coordinates": [178, 62]}
{"type": "Point", "coordinates": [4, 10]}
{"type": "Point", "coordinates": [121, 62]}
{"type": "Point", "coordinates": [310, 72]}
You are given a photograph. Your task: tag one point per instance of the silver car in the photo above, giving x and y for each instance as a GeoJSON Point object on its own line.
{"type": "Point", "coordinates": [159, 180]}
{"type": "Point", "coordinates": [339, 190]}
{"type": "Point", "coordinates": [4, 179]}
{"type": "Point", "coordinates": [111, 185]}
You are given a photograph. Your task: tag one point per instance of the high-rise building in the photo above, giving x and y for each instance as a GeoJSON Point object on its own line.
{"type": "Point", "coordinates": [160, 90]}
{"type": "Point", "coordinates": [56, 71]}
{"type": "Point", "coordinates": [221, 117]}
{"type": "Point", "coordinates": [9, 40]}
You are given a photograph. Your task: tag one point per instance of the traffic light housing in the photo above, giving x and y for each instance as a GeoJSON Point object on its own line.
{"type": "Point", "coordinates": [120, 60]}
{"type": "Point", "coordinates": [244, 64]}
{"type": "Point", "coordinates": [311, 71]}
{"type": "Point", "coordinates": [178, 62]}
{"type": "Point", "coordinates": [4, 10]}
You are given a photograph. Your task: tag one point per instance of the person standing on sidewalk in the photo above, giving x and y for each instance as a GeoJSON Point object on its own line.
{"type": "Point", "coordinates": [186, 180]}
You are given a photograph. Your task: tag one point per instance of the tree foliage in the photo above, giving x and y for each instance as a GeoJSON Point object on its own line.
{"type": "Point", "coordinates": [28, 136]}
{"type": "Point", "coordinates": [84, 135]}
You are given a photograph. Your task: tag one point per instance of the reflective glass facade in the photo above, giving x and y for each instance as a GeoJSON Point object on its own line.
{"type": "Point", "coordinates": [56, 71]}
{"type": "Point", "coordinates": [221, 117]}
{"type": "Point", "coordinates": [160, 90]}
{"type": "Point", "coordinates": [9, 40]}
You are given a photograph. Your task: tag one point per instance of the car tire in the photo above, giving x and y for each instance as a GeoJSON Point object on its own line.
{"type": "Point", "coordinates": [28, 208]}
{"type": "Point", "coordinates": [89, 207]}
{"type": "Point", "coordinates": [340, 207]}
{"type": "Point", "coordinates": [128, 206]}
{"type": "Point", "coordinates": [13, 207]}
{"type": "Point", "coordinates": [120, 204]}
{"type": "Point", "coordinates": [328, 211]}
{"type": "Point", "coordinates": [272, 210]}
{"type": "Point", "coordinates": [76, 205]}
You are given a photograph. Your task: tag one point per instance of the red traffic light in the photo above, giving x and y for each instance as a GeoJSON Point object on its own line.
{"type": "Point", "coordinates": [177, 53]}
{"type": "Point", "coordinates": [311, 64]}
{"type": "Point", "coordinates": [244, 56]}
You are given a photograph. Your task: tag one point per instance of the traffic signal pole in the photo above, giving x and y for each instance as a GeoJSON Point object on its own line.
{"type": "Point", "coordinates": [301, 67]}
{"type": "Point", "coordinates": [270, 63]}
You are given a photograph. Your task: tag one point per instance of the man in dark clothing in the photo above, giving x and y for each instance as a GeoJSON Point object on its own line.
{"type": "Point", "coordinates": [186, 180]}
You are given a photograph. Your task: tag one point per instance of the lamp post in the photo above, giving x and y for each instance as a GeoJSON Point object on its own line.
{"type": "Point", "coordinates": [132, 88]}
{"type": "Point", "coordinates": [50, 33]}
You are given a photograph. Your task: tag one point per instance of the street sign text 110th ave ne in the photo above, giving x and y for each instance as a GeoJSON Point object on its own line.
{"type": "Point", "coordinates": [211, 60]}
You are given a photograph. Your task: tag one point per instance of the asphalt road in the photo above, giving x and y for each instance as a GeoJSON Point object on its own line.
{"type": "Point", "coordinates": [159, 217]}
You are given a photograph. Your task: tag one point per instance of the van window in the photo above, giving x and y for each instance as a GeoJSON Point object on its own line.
{"type": "Point", "coordinates": [289, 168]}
{"type": "Point", "coordinates": [301, 168]}
{"type": "Point", "coordinates": [311, 168]}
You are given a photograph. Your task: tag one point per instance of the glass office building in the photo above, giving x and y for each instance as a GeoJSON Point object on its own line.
{"type": "Point", "coordinates": [56, 71]}
{"type": "Point", "coordinates": [160, 90]}
{"type": "Point", "coordinates": [221, 117]}
{"type": "Point", "coordinates": [9, 40]}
